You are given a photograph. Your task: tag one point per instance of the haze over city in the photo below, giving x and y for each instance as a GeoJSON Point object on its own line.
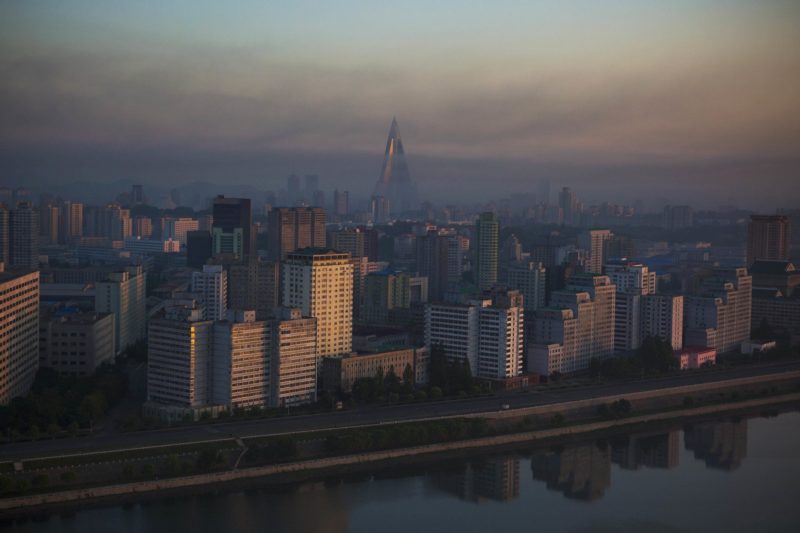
{"type": "Point", "coordinates": [343, 267]}
{"type": "Point", "coordinates": [622, 100]}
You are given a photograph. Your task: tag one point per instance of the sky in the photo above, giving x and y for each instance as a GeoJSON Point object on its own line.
{"type": "Point", "coordinates": [618, 99]}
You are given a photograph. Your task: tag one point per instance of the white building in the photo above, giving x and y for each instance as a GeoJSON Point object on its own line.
{"type": "Point", "coordinates": [19, 332]}
{"type": "Point", "coordinates": [487, 333]}
{"type": "Point", "coordinates": [212, 286]}
{"type": "Point", "coordinates": [719, 317]}
{"type": "Point", "coordinates": [528, 278]}
{"type": "Point", "coordinates": [577, 327]}
{"type": "Point", "coordinates": [319, 282]}
{"type": "Point", "coordinates": [124, 294]}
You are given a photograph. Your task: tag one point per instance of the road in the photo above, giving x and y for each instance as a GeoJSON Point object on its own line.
{"type": "Point", "coordinates": [371, 415]}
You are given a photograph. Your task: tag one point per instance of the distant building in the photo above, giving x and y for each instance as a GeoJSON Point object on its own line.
{"type": "Point", "coordinates": [595, 242]}
{"type": "Point", "coordinates": [211, 284]}
{"type": "Point", "coordinates": [486, 250]}
{"type": "Point", "coordinates": [528, 278]}
{"type": "Point", "coordinates": [232, 229]}
{"type": "Point", "coordinates": [768, 237]}
{"type": "Point", "coordinates": [341, 203]}
{"type": "Point", "coordinates": [394, 183]}
{"type": "Point", "coordinates": [432, 258]}
{"type": "Point", "coordinates": [19, 331]}
{"type": "Point", "coordinates": [123, 293]}
{"type": "Point", "coordinates": [19, 236]}
{"type": "Point", "coordinates": [677, 217]}
{"type": "Point", "coordinates": [293, 228]}
{"type": "Point", "coordinates": [177, 228]}
{"type": "Point", "coordinates": [719, 317]}
{"type": "Point", "coordinates": [384, 292]}
{"type": "Point", "coordinates": [199, 248]}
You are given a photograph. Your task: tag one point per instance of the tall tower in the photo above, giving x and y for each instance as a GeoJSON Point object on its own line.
{"type": "Point", "coordinates": [395, 183]}
{"type": "Point", "coordinates": [486, 257]}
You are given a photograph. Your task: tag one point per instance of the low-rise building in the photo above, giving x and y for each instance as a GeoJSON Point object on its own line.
{"type": "Point", "coordinates": [75, 344]}
{"type": "Point", "coordinates": [340, 373]}
{"type": "Point", "coordinates": [696, 356]}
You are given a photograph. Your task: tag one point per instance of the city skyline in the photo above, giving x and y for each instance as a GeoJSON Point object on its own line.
{"type": "Point", "coordinates": [629, 98]}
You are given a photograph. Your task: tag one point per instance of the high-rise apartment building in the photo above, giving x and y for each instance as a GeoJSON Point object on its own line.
{"type": "Point", "coordinates": [294, 228]}
{"type": "Point", "coordinates": [293, 359]}
{"type": "Point", "coordinates": [768, 237]}
{"type": "Point", "coordinates": [569, 207]}
{"type": "Point", "coordinates": [457, 251]}
{"type": "Point", "coordinates": [199, 248]}
{"type": "Point", "coordinates": [577, 327]}
{"type": "Point", "coordinates": [432, 255]}
{"type": "Point", "coordinates": [384, 292]}
{"type": "Point", "coordinates": [487, 234]}
{"type": "Point", "coordinates": [19, 236]}
{"type": "Point", "coordinates": [123, 294]}
{"type": "Point", "coordinates": [662, 316]}
{"type": "Point", "coordinates": [320, 283]}
{"type": "Point", "coordinates": [487, 333]}
{"type": "Point", "coordinates": [179, 347]}
{"type": "Point", "coordinates": [177, 228]}
{"type": "Point", "coordinates": [211, 284]}
{"type": "Point", "coordinates": [347, 240]}
{"type": "Point", "coordinates": [341, 203]}
{"type": "Point", "coordinates": [529, 279]}
{"type": "Point", "coordinates": [232, 229]}
{"type": "Point", "coordinates": [240, 362]}
{"type": "Point", "coordinates": [677, 217]}
{"type": "Point", "coordinates": [595, 242]}
{"type": "Point", "coordinates": [719, 316]}
{"type": "Point", "coordinates": [19, 332]}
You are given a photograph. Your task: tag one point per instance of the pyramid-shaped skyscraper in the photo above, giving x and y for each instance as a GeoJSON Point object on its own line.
{"type": "Point", "coordinates": [395, 183]}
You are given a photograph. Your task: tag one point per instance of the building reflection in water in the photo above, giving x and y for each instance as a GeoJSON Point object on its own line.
{"type": "Point", "coordinates": [582, 471]}
{"type": "Point", "coordinates": [659, 450]}
{"type": "Point", "coordinates": [720, 445]}
{"type": "Point", "coordinates": [494, 478]}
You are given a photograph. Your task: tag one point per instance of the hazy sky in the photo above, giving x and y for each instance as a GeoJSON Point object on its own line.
{"type": "Point", "coordinates": [618, 98]}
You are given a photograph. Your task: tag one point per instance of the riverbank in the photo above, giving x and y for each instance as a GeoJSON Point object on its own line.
{"type": "Point", "coordinates": [19, 504]}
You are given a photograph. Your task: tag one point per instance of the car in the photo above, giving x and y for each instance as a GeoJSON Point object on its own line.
{"type": "Point", "coordinates": [505, 407]}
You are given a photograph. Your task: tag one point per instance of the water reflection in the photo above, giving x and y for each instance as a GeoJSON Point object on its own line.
{"type": "Point", "coordinates": [639, 477]}
{"type": "Point", "coordinates": [489, 479]}
{"type": "Point", "coordinates": [721, 445]}
{"type": "Point", "coordinates": [582, 472]}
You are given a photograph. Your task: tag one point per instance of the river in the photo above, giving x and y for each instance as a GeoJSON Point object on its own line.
{"type": "Point", "coordinates": [727, 474]}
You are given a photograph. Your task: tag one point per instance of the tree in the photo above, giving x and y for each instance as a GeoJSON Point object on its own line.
{"type": "Point", "coordinates": [148, 470]}
{"type": "Point", "coordinates": [40, 481]}
{"type": "Point", "coordinates": [34, 433]}
{"type": "Point", "coordinates": [391, 382]}
{"type": "Point", "coordinates": [764, 331]}
{"type": "Point", "coordinates": [408, 379]}
{"type": "Point", "coordinates": [53, 430]}
{"type": "Point", "coordinates": [93, 407]}
{"type": "Point", "coordinates": [68, 476]}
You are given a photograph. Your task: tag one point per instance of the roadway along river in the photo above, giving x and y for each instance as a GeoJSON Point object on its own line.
{"type": "Point", "coordinates": [367, 415]}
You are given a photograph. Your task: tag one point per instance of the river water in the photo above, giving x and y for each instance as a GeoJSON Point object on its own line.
{"type": "Point", "coordinates": [728, 474]}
